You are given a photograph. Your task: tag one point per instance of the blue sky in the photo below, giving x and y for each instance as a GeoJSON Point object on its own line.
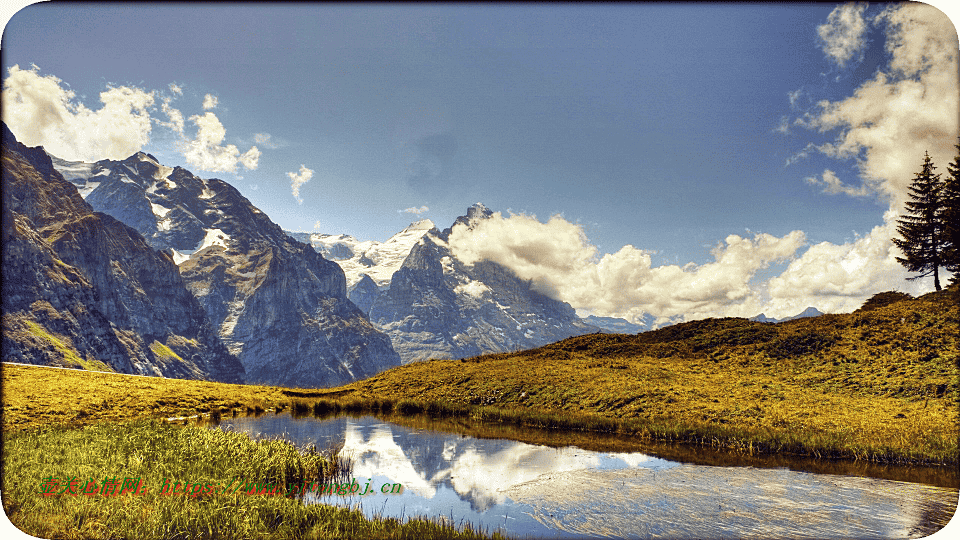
{"type": "Point", "coordinates": [664, 127]}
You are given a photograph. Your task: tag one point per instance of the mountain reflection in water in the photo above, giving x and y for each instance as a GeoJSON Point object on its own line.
{"type": "Point", "coordinates": [538, 491]}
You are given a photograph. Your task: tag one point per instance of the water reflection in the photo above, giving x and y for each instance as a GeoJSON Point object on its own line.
{"type": "Point", "coordinates": [531, 490]}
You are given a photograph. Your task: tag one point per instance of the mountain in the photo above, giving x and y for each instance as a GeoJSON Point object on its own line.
{"type": "Point", "coordinates": [83, 290]}
{"type": "Point", "coordinates": [439, 307]}
{"type": "Point", "coordinates": [364, 293]}
{"type": "Point", "coordinates": [276, 303]}
{"type": "Point", "coordinates": [378, 260]}
{"type": "Point", "coordinates": [809, 312]}
{"type": "Point", "coordinates": [614, 325]}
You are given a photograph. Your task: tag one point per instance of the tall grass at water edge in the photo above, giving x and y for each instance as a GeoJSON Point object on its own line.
{"type": "Point", "coordinates": [154, 452]}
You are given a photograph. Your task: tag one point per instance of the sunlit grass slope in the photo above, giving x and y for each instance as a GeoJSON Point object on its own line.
{"type": "Point", "coordinates": [879, 384]}
{"type": "Point", "coordinates": [34, 396]}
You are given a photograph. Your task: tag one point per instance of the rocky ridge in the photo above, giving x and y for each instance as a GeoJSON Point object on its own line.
{"type": "Point", "coordinates": [277, 304]}
{"type": "Point", "coordinates": [83, 290]}
{"type": "Point", "coordinates": [438, 307]}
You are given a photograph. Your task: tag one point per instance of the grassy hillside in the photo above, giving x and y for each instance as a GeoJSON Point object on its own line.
{"type": "Point", "coordinates": [879, 384]}
{"type": "Point", "coordinates": [37, 396]}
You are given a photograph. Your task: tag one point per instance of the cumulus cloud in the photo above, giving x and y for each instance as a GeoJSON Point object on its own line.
{"type": "Point", "coordinates": [415, 210]}
{"type": "Point", "coordinates": [843, 35]}
{"type": "Point", "coordinates": [560, 262]}
{"type": "Point", "coordinates": [912, 107]}
{"type": "Point", "coordinates": [833, 185]}
{"type": "Point", "coordinates": [838, 278]}
{"type": "Point", "coordinates": [908, 107]}
{"type": "Point", "coordinates": [210, 101]}
{"type": "Point", "coordinates": [298, 179]}
{"type": "Point", "coordinates": [207, 152]}
{"type": "Point", "coordinates": [40, 111]}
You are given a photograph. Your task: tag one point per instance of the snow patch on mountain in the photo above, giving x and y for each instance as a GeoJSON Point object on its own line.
{"type": "Point", "coordinates": [72, 170]}
{"type": "Point", "coordinates": [214, 237]}
{"type": "Point", "coordinates": [379, 260]}
{"type": "Point", "coordinates": [472, 288]}
{"type": "Point", "coordinates": [180, 256]}
{"type": "Point", "coordinates": [159, 211]}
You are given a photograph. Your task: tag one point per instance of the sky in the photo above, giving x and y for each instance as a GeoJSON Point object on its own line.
{"type": "Point", "coordinates": [684, 161]}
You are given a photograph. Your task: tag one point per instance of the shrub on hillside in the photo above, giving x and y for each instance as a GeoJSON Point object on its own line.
{"type": "Point", "coordinates": [882, 299]}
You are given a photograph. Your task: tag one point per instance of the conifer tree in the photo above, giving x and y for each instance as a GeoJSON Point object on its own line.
{"type": "Point", "coordinates": [950, 198]}
{"type": "Point", "coordinates": [921, 229]}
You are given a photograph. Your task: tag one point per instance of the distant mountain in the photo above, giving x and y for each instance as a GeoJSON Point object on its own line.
{"type": "Point", "coordinates": [614, 325]}
{"type": "Point", "coordinates": [438, 307]}
{"type": "Point", "coordinates": [83, 290]}
{"type": "Point", "coordinates": [809, 312]}
{"type": "Point", "coordinates": [276, 303]}
{"type": "Point", "coordinates": [378, 260]}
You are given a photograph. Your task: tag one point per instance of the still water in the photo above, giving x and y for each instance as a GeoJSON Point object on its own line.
{"type": "Point", "coordinates": [537, 491]}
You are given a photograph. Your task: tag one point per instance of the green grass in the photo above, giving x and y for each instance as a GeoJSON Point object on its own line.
{"type": "Point", "coordinates": [880, 384]}
{"type": "Point", "coordinates": [153, 451]}
{"type": "Point", "coordinates": [34, 396]}
{"type": "Point", "coordinates": [164, 354]}
{"type": "Point", "coordinates": [68, 354]}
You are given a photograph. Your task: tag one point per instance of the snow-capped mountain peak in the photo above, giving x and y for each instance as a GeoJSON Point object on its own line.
{"type": "Point", "coordinates": [378, 260]}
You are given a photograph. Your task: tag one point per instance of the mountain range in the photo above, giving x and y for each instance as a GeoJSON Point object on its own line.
{"type": "Point", "coordinates": [809, 312]}
{"type": "Point", "coordinates": [275, 303]}
{"type": "Point", "coordinates": [139, 267]}
{"type": "Point", "coordinates": [435, 306]}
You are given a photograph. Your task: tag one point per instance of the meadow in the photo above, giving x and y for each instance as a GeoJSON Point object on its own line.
{"type": "Point", "coordinates": [878, 385]}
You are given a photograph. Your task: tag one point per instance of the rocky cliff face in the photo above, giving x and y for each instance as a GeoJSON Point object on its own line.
{"type": "Point", "coordinates": [364, 293]}
{"type": "Point", "coordinates": [83, 290]}
{"type": "Point", "coordinates": [277, 304]}
{"type": "Point", "coordinates": [438, 307]}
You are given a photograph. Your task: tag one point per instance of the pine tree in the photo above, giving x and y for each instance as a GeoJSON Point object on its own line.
{"type": "Point", "coordinates": [921, 229]}
{"type": "Point", "coordinates": [950, 197]}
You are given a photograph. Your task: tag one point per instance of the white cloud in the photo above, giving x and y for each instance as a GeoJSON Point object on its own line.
{"type": "Point", "coordinates": [417, 211]}
{"type": "Point", "coordinates": [886, 126]}
{"type": "Point", "coordinates": [174, 116]}
{"type": "Point", "coordinates": [838, 278]}
{"type": "Point", "coordinates": [39, 111]}
{"type": "Point", "coordinates": [892, 119]}
{"type": "Point", "coordinates": [834, 185]}
{"type": "Point", "coordinates": [794, 97]}
{"type": "Point", "coordinates": [843, 35]}
{"type": "Point", "coordinates": [266, 140]}
{"type": "Point", "coordinates": [176, 89]}
{"type": "Point", "coordinates": [298, 179]}
{"type": "Point", "coordinates": [210, 101]}
{"type": "Point", "coordinates": [561, 263]}
{"type": "Point", "coordinates": [206, 151]}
